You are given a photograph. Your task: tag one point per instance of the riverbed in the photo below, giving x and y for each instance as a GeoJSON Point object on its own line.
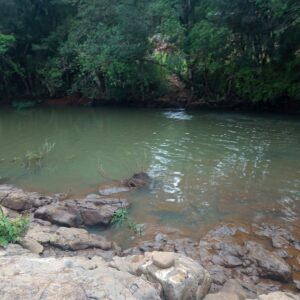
{"type": "Point", "coordinates": [207, 167]}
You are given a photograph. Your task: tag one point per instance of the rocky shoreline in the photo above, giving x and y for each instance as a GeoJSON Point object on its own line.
{"type": "Point", "coordinates": [58, 258]}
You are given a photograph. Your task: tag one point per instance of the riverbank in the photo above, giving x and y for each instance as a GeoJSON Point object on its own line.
{"type": "Point", "coordinates": [178, 100]}
{"type": "Point", "coordinates": [262, 261]}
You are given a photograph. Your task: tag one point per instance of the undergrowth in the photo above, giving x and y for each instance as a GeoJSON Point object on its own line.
{"type": "Point", "coordinates": [121, 217]}
{"type": "Point", "coordinates": [11, 229]}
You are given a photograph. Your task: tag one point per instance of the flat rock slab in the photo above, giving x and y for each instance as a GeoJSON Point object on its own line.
{"type": "Point", "coordinates": [279, 296]}
{"type": "Point", "coordinates": [27, 278]}
{"type": "Point", "coordinates": [65, 238]}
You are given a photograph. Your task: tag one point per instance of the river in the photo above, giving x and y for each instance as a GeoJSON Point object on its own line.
{"type": "Point", "coordinates": [207, 167]}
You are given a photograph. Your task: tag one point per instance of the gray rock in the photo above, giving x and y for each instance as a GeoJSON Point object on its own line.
{"type": "Point", "coordinates": [91, 211]}
{"type": "Point", "coordinates": [70, 278]}
{"type": "Point", "coordinates": [65, 238]}
{"type": "Point", "coordinates": [32, 245]}
{"type": "Point", "coordinates": [222, 296]}
{"type": "Point", "coordinates": [297, 284]}
{"type": "Point", "coordinates": [138, 180]}
{"type": "Point", "coordinates": [163, 260]}
{"type": "Point", "coordinates": [233, 287]}
{"type": "Point", "coordinates": [185, 280]}
{"type": "Point", "coordinates": [19, 200]}
{"type": "Point", "coordinates": [111, 190]}
{"type": "Point", "coordinates": [14, 250]}
{"type": "Point", "coordinates": [270, 265]}
{"type": "Point", "coordinates": [279, 296]}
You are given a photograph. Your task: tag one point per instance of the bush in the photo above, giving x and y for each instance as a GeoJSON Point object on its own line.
{"type": "Point", "coordinates": [11, 229]}
{"type": "Point", "coordinates": [120, 216]}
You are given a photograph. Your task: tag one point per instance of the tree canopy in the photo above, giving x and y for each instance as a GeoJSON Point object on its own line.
{"type": "Point", "coordinates": [220, 50]}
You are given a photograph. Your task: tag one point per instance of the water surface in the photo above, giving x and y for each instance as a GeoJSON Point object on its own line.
{"type": "Point", "coordinates": [207, 167]}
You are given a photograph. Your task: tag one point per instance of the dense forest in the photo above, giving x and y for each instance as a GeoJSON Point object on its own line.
{"type": "Point", "coordinates": [210, 50]}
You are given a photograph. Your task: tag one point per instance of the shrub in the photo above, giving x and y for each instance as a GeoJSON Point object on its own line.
{"type": "Point", "coordinates": [120, 216]}
{"type": "Point", "coordinates": [11, 229]}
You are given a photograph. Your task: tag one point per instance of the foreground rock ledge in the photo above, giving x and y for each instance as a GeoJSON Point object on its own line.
{"type": "Point", "coordinates": [31, 277]}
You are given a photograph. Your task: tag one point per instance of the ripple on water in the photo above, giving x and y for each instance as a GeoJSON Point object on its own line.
{"type": "Point", "coordinates": [178, 115]}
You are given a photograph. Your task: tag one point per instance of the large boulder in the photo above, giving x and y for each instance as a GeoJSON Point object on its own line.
{"type": "Point", "coordinates": [181, 278]}
{"type": "Point", "coordinates": [90, 211]}
{"type": "Point", "coordinates": [184, 280]}
{"type": "Point", "coordinates": [19, 200]}
{"type": "Point", "coordinates": [25, 277]}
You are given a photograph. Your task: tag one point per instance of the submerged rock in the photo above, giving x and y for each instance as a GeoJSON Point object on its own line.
{"type": "Point", "coordinates": [112, 190]}
{"type": "Point", "coordinates": [138, 180]}
{"type": "Point", "coordinates": [91, 211]}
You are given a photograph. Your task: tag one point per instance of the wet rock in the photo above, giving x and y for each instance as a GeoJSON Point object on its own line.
{"type": "Point", "coordinates": [111, 190]}
{"type": "Point", "coordinates": [67, 239]}
{"type": "Point", "coordinates": [279, 296]}
{"type": "Point", "coordinates": [163, 260]}
{"type": "Point", "coordinates": [19, 200]}
{"type": "Point", "coordinates": [4, 179]}
{"type": "Point", "coordinates": [70, 278]}
{"type": "Point", "coordinates": [186, 279]}
{"type": "Point", "coordinates": [248, 262]}
{"type": "Point", "coordinates": [279, 236]}
{"type": "Point", "coordinates": [270, 265]}
{"type": "Point", "coordinates": [162, 242]}
{"type": "Point", "coordinates": [60, 215]}
{"type": "Point", "coordinates": [231, 261]}
{"type": "Point", "coordinates": [138, 180]}
{"type": "Point", "coordinates": [91, 211]}
{"type": "Point", "coordinates": [282, 253]}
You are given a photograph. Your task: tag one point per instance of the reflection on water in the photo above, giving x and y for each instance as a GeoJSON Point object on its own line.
{"type": "Point", "coordinates": [207, 167]}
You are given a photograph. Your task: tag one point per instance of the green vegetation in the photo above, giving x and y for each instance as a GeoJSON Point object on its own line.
{"type": "Point", "coordinates": [219, 50]}
{"type": "Point", "coordinates": [33, 160]}
{"type": "Point", "coordinates": [11, 229]}
{"type": "Point", "coordinates": [120, 217]}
